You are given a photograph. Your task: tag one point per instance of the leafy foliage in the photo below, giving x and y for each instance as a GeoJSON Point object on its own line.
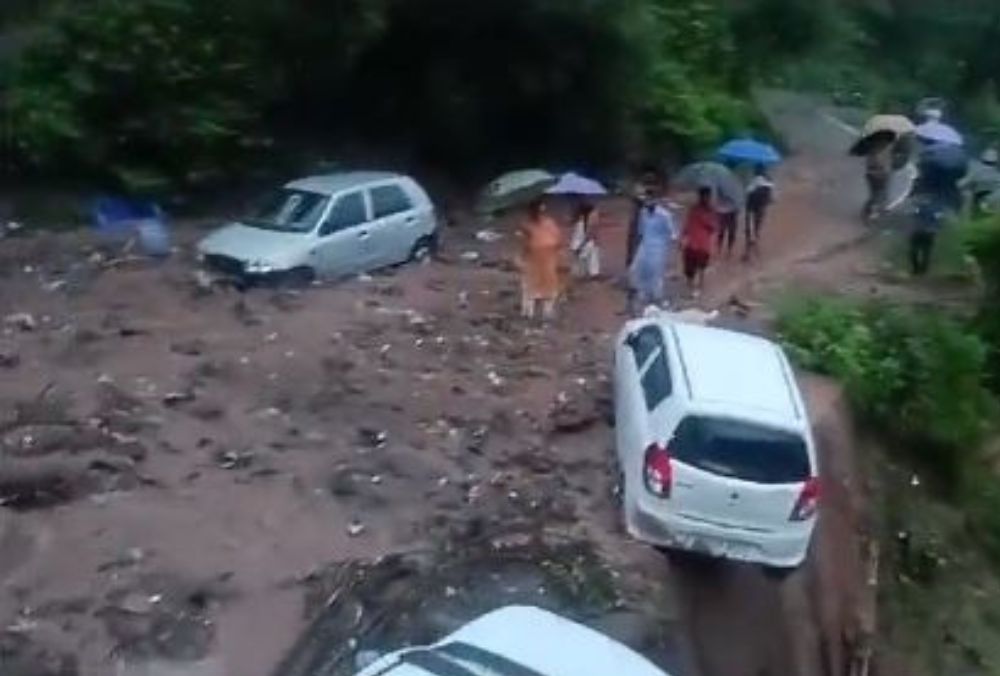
{"type": "Point", "coordinates": [146, 92]}
{"type": "Point", "coordinates": [983, 242]}
{"type": "Point", "coordinates": [916, 374]}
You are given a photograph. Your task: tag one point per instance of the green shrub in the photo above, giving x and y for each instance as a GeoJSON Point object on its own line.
{"type": "Point", "coordinates": [915, 374]}
{"type": "Point", "coordinates": [148, 93]}
{"type": "Point", "coordinates": [982, 240]}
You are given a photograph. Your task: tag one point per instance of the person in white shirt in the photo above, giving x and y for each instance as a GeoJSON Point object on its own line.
{"type": "Point", "coordinates": [583, 244]}
{"type": "Point", "coordinates": [760, 195]}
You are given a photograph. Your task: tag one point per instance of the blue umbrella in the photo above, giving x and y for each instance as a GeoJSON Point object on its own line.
{"type": "Point", "coordinates": [749, 151]}
{"type": "Point", "coordinates": [575, 184]}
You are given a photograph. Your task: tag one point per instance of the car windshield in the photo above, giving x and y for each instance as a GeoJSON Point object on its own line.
{"type": "Point", "coordinates": [289, 210]}
{"type": "Point", "coordinates": [741, 450]}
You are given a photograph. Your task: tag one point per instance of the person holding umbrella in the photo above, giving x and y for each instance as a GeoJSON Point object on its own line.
{"type": "Point", "coordinates": [696, 240]}
{"type": "Point", "coordinates": [884, 145]}
{"type": "Point", "coordinates": [541, 249]}
{"type": "Point", "coordinates": [583, 244]}
{"type": "Point", "coordinates": [760, 195]}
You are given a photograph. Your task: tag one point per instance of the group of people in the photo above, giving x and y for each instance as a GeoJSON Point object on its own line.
{"type": "Point", "coordinates": [710, 225]}
{"type": "Point", "coordinates": [711, 222]}
{"type": "Point", "coordinates": [946, 183]}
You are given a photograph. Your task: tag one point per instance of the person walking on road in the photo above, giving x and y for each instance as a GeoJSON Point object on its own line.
{"type": "Point", "coordinates": [696, 241]}
{"type": "Point", "coordinates": [760, 195]}
{"type": "Point", "coordinates": [729, 221]}
{"type": "Point", "coordinates": [928, 221]}
{"type": "Point", "coordinates": [541, 249]}
{"type": "Point", "coordinates": [657, 233]}
{"type": "Point", "coordinates": [878, 171]}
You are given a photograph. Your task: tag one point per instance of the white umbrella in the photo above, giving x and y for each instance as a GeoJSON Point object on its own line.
{"type": "Point", "coordinates": [939, 132]}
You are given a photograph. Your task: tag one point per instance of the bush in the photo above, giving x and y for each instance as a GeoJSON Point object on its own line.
{"type": "Point", "coordinates": [983, 243]}
{"type": "Point", "coordinates": [915, 374]}
{"type": "Point", "coordinates": [147, 93]}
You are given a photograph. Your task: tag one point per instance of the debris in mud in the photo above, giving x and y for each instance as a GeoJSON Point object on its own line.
{"type": "Point", "coordinates": [174, 399]}
{"type": "Point", "coordinates": [355, 528]}
{"type": "Point", "coordinates": [370, 438]}
{"type": "Point", "coordinates": [27, 485]}
{"type": "Point", "coordinates": [231, 460]}
{"type": "Point", "coordinates": [22, 321]}
{"type": "Point", "coordinates": [164, 617]}
{"type": "Point", "coordinates": [188, 348]}
{"type": "Point", "coordinates": [416, 599]}
{"type": "Point", "coordinates": [572, 415]}
{"type": "Point", "coordinates": [488, 236]}
{"type": "Point", "coordinates": [9, 358]}
{"type": "Point", "coordinates": [21, 656]}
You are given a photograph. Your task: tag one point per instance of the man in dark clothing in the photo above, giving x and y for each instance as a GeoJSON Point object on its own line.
{"type": "Point", "coordinates": [927, 223]}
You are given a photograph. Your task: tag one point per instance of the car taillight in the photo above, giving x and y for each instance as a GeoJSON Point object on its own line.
{"type": "Point", "coordinates": [657, 471]}
{"type": "Point", "coordinates": [808, 502]}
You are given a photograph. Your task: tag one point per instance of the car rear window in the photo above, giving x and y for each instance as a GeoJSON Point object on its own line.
{"type": "Point", "coordinates": [741, 450]}
{"type": "Point", "coordinates": [388, 200]}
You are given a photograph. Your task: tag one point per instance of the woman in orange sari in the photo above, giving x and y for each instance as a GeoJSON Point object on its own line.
{"type": "Point", "coordinates": [541, 251]}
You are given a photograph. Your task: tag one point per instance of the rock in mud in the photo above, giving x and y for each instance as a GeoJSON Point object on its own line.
{"type": "Point", "coordinates": [161, 617]}
{"type": "Point", "coordinates": [22, 321]}
{"type": "Point", "coordinates": [9, 358]}
{"type": "Point", "coordinates": [20, 656]}
{"type": "Point", "coordinates": [188, 348]}
{"type": "Point", "coordinates": [371, 438]}
{"type": "Point", "coordinates": [573, 415]}
{"type": "Point", "coordinates": [233, 460]}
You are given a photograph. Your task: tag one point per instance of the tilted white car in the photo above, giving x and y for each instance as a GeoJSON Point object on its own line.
{"type": "Point", "coordinates": [517, 641]}
{"type": "Point", "coordinates": [714, 445]}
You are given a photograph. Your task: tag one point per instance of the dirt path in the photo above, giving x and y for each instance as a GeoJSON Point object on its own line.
{"type": "Point", "coordinates": [212, 450]}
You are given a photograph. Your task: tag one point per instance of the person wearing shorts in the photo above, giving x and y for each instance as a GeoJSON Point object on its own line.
{"type": "Point", "coordinates": [700, 226]}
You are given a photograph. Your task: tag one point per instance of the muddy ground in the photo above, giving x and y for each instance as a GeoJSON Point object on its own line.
{"type": "Point", "coordinates": [185, 468]}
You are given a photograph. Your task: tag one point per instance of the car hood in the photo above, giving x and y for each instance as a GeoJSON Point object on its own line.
{"type": "Point", "coordinates": [246, 243]}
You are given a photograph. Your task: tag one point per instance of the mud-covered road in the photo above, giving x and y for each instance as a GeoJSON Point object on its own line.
{"type": "Point", "coordinates": [181, 464]}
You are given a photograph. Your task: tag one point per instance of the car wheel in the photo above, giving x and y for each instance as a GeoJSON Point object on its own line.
{"type": "Point", "coordinates": [298, 278]}
{"type": "Point", "coordinates": [778, 573]}
{"type": "Point", "coordinates": [422, 250]}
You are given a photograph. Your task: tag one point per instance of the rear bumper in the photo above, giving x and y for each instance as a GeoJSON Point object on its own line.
{"type": "Point", "coordinates": [659, 526]}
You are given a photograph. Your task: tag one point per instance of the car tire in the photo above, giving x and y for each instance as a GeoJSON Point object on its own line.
{"type": "Point", "coordinates": [778, 573]}
{"type": "Point", "coordinates": [298, 278]}
{"type": "Point", "coordinates": [422, 249]}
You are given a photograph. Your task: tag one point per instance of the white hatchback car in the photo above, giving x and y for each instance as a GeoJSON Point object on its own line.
{"type": "Point", "coordinates": [516, 641]}
{"type": "Point", "coordinates": [327, 226]}
{"type": "Point", "coordinates": [714, 445]}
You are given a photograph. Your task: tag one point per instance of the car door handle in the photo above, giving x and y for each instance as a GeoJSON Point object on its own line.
{"type": "Point", "coordinates": [363, 234]}
{"type": "Point", "coordinates": [410, 220]}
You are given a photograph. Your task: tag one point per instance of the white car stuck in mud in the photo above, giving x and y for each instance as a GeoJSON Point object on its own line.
{"type": "Point", "coordinates": [713, 442]}
{"type": "Point", "coordinates": [517, 641]}
{"type": "Point", "coordinates": [330, 227]}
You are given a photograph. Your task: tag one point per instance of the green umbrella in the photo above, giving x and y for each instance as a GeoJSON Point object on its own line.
{"type": "Point", "coordinates": [513, 189]}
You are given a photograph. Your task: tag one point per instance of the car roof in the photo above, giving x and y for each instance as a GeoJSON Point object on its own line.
{"type": "Point", "coordinates": [737, 371]}
{"type": "Point", "coordinates": [330, 184]}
